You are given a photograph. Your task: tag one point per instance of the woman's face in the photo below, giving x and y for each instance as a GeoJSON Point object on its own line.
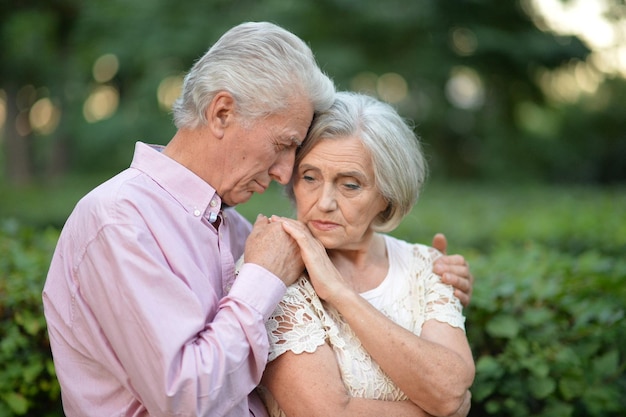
{"type": "Point", "coordinates": [335, 192]}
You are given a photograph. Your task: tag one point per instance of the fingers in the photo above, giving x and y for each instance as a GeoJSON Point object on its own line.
{"type": "Point", "coordinates": [270, 247]}
{"type": "Point", "coordinates": [464, 298]}
{"type": "Point", "coordinates": [454, 270]}
{"type": "Point", "coordinates": [294, 228]}
{"type": "Point", "coordinates": [311, 248]}
{"type": "Point", "coordinates": [261, 219]}
{"type": "Point", "coordinates": [451, 263]}
{"type": "Point", "coordinates": [462, 286]}
{"type": "Point", "coordinates": [440, 243]}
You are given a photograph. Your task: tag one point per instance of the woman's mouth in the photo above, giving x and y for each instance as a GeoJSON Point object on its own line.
{"type": "Point", "coordinates": [322, 225]}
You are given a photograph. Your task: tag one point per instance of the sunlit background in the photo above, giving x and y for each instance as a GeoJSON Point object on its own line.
{"type": "Point", "coordinates": [586, 19]}
{"type": "Point", "coordinates": [483, 83]}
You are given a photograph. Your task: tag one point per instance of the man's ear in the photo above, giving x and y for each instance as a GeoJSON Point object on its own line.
{"type": "Point", "coordinates": [220, 113]}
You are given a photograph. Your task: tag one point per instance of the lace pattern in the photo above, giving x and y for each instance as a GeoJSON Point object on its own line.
{"type": "Point", "coordinates": [302, 322]}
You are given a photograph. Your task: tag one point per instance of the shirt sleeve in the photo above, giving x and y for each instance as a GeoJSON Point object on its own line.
{"type": "Point", "coordinates": [296, 324]}
{"type": "Point", "coordinates": [174, 358]}
{"type": "Point", "coordinates": [441, 304]}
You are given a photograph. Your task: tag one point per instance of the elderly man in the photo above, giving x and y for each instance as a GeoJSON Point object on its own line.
{"type": "Point", "coordinates": [144, 313]}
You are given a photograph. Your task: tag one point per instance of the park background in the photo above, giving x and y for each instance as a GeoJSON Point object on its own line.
{"type": "Point", "coordinates": [521, 106]}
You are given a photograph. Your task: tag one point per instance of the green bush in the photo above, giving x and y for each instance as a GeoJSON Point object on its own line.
{"type": "Point", "coordinates": [546, 323]}
{"type": "Point", "coordinates": [28, 384]}
{"type": "Point", "coordinates": [548, 333]}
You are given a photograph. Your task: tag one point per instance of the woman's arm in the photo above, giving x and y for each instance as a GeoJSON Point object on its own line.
{"type": "Point", "coordinates": [310, 385]}
{"type": "Point", "coordinates": [435, 370]}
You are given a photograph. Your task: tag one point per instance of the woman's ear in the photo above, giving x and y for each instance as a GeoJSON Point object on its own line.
{"type": "Point", "coordinates": [385, 214]}
{"type": "Point", "coordinates": [220, 113]}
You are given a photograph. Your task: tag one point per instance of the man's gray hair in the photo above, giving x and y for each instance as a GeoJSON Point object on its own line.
{"type": "Point", "coordinates": [263, 66]}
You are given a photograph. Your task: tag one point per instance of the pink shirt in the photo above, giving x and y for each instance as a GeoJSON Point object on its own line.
{"type": "Point", "coordinates": [144, 314]}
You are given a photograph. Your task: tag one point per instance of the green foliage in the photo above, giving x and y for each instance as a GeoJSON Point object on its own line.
{"type": "Point", "coordinates": [547, 321]}
{"type": "Point", "coordinates": [548, 332]}
{"type": "Point", "coordinates": [28, 384]}
{"type": "Point", "coordinates": [516, 131]}
{"type": "Point", "coordinates": [481, 216]}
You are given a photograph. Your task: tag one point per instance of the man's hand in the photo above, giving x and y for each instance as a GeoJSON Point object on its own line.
{"type": "Point", "coordinates": [454, 270]}
{"type": "Point", "coordinates": [272, 248]}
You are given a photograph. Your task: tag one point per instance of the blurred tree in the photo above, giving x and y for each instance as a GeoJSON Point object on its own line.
{"type": "Point", "coordinates": [467, 72]}
{"type": "Point", "coordinates": [467, 64]}
{"type": "Point", "coordinates": [34, 50]}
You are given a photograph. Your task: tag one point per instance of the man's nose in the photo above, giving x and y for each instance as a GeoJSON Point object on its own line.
{"type": "Point", "coordinates": [282, 169]}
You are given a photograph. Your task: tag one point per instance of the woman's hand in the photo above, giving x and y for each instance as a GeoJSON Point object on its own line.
{"type": "Point", "coordinates": [325, 278]}
{"type": "Point", "coordinates": [454, 270]}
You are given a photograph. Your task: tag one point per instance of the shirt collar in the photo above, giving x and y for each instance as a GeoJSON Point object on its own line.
{"type": "Point", "coordinates": [197, 196]}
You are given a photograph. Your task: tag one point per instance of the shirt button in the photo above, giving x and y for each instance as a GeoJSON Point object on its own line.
{"type": "Point", "coordinates": [197, 213]}
{"type": "Point", "coordinates": [213, 203]}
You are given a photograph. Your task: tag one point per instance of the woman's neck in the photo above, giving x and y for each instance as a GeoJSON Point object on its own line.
{"type": "Point", "coordinates": [363, 268]}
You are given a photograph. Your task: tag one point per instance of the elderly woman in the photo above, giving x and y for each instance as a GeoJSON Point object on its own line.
{"type": "Point", "coordinates": [369, 329]}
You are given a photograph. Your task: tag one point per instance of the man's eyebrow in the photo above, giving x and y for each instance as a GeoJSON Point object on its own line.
{"type": "Point", "coordinates": [295, 140]}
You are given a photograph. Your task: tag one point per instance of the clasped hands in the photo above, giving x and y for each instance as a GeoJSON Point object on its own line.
{"type": "Point", "coordinates": [282, 245]}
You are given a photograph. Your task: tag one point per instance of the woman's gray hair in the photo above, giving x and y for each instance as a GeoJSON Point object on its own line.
{"type": "Point", "coordinates": [262, 65]}
{"type": "Point", "coordinates": [399, 165]}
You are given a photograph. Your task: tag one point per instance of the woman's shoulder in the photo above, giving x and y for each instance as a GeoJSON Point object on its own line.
{"type": "Point", "coordinates": [414, 250]}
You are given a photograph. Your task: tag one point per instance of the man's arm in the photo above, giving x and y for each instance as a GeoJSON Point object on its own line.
{"type": "Point", "coordinates": [178, 352]}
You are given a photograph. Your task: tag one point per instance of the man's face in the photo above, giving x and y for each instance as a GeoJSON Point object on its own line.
{"type": "Point", "coordinates": [264, 151]}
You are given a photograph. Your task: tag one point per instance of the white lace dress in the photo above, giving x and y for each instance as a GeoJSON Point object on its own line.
{"type": "Point", "coordinates": [409, 295]}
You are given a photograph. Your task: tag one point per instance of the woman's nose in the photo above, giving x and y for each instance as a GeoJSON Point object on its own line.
{"type": "Point", "coordinates": [327, 200]}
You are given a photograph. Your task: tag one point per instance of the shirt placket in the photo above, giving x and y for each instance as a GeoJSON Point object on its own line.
{"type": "Point", "coordinates": [228, 263]}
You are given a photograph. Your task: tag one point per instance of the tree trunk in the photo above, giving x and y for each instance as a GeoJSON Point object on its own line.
{"type": "Point", "coordinates": [17, 143]}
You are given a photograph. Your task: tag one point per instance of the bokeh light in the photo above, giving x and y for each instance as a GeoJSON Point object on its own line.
{"type": "Point", "coordinates": [389, 87]}
{"type": "Point", "coordinates": [44, 116]}
{"type": "Point", "coordinates": [392, 87]}
{"type": "Point", "coordinates": [568, 83]}
{"type": "Point", "coordinates": [464, 89]}
{"type": "Point", "coordinates": [105, 68]}
{"type": "Point", "coordinates": [101, 104]}
{"type": "Point", "coordinates": [168, 91]}
{"type": "Point", "coordinates": [22, 124]}
{"type": "Point", "coordinates": [364, 82]}
{"type": "Point", "coordinates": [463, 41]}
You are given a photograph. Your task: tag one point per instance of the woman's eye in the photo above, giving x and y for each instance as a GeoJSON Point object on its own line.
{"type": "Point", "coordinates": [352, 186]}
{"type": "Point", "coordinates": [307, 178]}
